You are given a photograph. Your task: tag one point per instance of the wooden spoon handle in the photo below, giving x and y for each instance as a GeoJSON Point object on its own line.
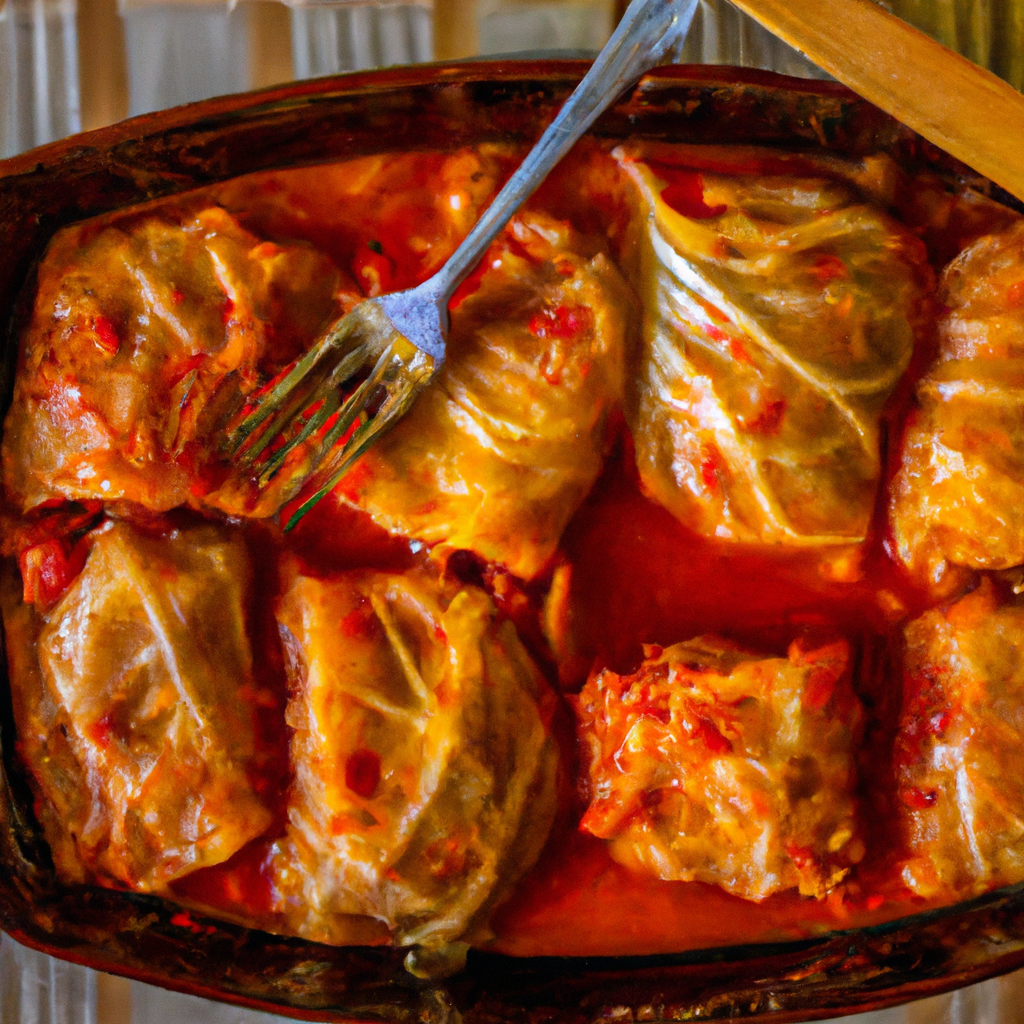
{"type": "Point", "coordinates": [962, 108]}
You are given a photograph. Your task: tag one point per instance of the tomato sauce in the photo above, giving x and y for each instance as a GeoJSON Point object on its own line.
{"type": "Point", "coordinates": [635, 576]}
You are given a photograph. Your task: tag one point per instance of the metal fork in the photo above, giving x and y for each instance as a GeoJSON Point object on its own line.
{"type": "Point", "coordinates": [401, 336]}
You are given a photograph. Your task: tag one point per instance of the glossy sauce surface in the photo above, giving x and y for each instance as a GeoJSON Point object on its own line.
{"type": "Point", "coordinates": [638, 577]}
{"type": "Point", "coordinates": [630, 575]}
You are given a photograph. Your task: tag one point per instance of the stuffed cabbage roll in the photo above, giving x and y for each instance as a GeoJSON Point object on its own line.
{"type": "Point", "coordinates": [131, 703]}
{"type": "Point", "coordinates": [424, 772]}
{"type": "Point", "coordinates": [958, 497]}
{"type": "Point", "coordinates": [716, 765]}
{"type": "Point", "coordinates": [960, 749]}
{"type": "Point", "coordinates": [391, 219]}
{"type": "Point", "coordinates": [499, 452]}
{"type": "Point", "coordinates": [779, 313]}
{"type": "Point", "coordinates": [144, 332]}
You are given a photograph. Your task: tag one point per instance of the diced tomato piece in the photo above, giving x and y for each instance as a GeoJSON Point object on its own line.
{"type": "Point", "coordinates": [739, 351]}
{"type": "Point", "coordinates": [47, 569]}
{"type": "Point", "coordinates": [358, 622]}
{"type": "Point", "coordinates": [704, 729]}
{"type": "Point", "coordinates": [828, 268]}
{"type": "Point", "coordinates": [828, 665]}
{"type": "Point", "coordinates": [918, 799]}
{"type": "Point", "coordinates": [801, 856]}
{"type": "Point", "coordinates": [374, 272]}
{"type": "Point", "coordinates": [362, 773]}
{"type": "Point", "coordinates": [684, 192]}
{"type": "Point", "coordinates": [106, 335]}
{"type": "Point", "coordinates": [564, 322]}
{"type": "Point", "coordinates": [183, 920]}
{"type": "Point", "coordinates": [821, 684]}
{"type": "Point", "coordinates": [100, 731]}
{"type": "Point", "coordinates": [709, 469]}
{"type": "Point", "coordinates": [769, 418]}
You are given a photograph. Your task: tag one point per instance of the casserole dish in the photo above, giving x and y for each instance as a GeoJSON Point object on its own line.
{"type": "Point", "coordinates": [816, 975]}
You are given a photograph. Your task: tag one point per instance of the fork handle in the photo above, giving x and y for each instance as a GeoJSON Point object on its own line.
{"type": "Point", "coordinates": [650, 31]}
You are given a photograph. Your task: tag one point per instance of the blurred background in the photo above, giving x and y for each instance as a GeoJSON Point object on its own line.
{"type": "Point", "coordinates": [68, 65]}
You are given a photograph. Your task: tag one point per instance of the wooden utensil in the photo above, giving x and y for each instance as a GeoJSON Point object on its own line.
{"type": "Point", "coordinates": [962, 108]}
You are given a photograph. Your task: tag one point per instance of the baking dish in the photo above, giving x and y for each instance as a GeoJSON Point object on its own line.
{"type": "Point", "coordinates": [171, 152]}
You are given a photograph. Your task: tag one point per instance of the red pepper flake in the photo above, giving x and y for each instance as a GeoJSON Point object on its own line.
{"type": "Point", "coordinates": [180, 370]}
{"type": "Point", "coordinates": [717, 334]}
{"type": "Point", "coordinates": [802, 856]}
{"type": "Point", "coordinates": [177, 297]}
{"type": "Point", "coordinates": [769, 418]}
{"type": "Point", "coordinates": [100, 731]}
{"type": "Point", "coordinates": [705, 730]}
{"type": "Point", "coordinates": [828, 268]}
{"type": "Point", "coordinates": [918, 799]}
{"type": "Point", "coordinates": [709, 471]}
{"type": "Point", "coordinates": [739, 351]}
{"type": "Point", "coordinates": [362, 773]}
{"type": "Point", "coordinates": [228, 310]}
{"type": "Point", "coordinates": [106, 335]}
{"type": "Point", "coordinates": [565, 322]}
{"type": "Point", "coordinates": [684, 192]}
{"type": "Point", "coordinates": [927, 712]}
{"type": "Point", "coordinates": [874, 902]}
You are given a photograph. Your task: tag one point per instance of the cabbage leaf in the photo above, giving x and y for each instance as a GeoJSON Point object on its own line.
{"type": "Point", "coordinates": [424, 771]}
{"type": "Point", "coordinates": [780, 311]}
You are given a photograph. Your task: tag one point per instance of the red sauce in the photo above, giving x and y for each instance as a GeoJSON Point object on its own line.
{"type": "Point", "coordinates": [637, 577]}
{"type": "Point", "coordinates": [239, 887]}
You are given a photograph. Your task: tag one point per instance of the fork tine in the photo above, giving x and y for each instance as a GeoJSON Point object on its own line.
{"type": "Point", "coordinates": [399, 368]}
{"type": "Point", "coordinates": [287, 393]}
{"type": "Point", "coordinates": [403, 371]}
{"type": "Point", "coordinates": [306, 393]}
{"type": "Point", "coordinates": [329, 406]}
{"type": "Point", "coordinates": [348, 412]}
